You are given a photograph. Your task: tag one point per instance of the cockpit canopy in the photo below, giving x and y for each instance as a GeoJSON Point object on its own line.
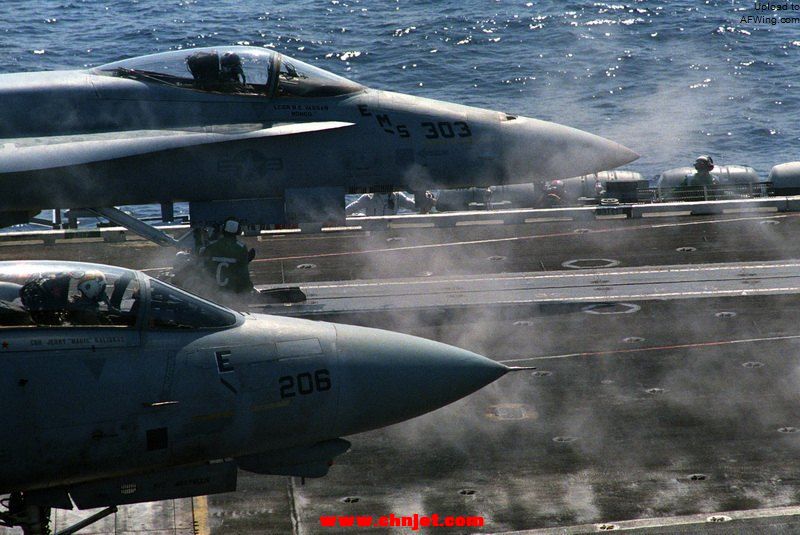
{"type": "Point", "coordinates": [240, 70]}
{"type": "Point", "coordinates": [71, 294]}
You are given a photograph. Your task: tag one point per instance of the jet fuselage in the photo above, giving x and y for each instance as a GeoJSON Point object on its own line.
{"type": "Point", "coordinates": [117, 135]}
{"type": "Point", "coordinates": [158, 378]}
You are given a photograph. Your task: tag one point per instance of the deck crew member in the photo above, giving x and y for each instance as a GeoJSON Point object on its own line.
{"type": "Point", "coordinates": [226, 259]}
{"type": "Point", "coordinates": [425, 202]}
{"type": "Point", "coordinates": [702, 175]}
{"type": "Point", "coordinates": [700, 185]}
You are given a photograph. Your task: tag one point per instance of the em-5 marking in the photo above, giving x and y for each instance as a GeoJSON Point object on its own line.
{"type": "Point", "coordinates": [433, 130]}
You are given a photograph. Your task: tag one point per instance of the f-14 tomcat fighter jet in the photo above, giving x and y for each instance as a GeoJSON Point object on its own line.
{"type": "Point", "coordinates": [248, 123]}
{"type": "Point", "coordinates": [118, 388]}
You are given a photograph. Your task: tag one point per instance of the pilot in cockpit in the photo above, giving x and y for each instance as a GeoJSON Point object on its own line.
{"type": "Point", "coordinates": [231, 70]}
{"type": "Point", "coordinates": [212, 73]}
{"type": "Point", "coordinates": [84, 307]}
{"type": "Point", "coordinates": [46, 297]}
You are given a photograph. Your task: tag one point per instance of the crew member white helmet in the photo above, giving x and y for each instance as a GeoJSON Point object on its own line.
{"type": "Point", "coordinates": [92, 285]}
{"type": "Point", "coordinates": [231, 227]}
{"type": "Point", "coordinates": [704, 161]}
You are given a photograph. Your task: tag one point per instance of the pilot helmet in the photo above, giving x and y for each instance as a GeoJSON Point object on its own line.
{"type": "Point", "coordinates": [183, 258]}
{"type": "Point", "coordinates": [704, 162]}
{"type": "Point", "coordinates": [92, 284]}
{"type": "Point", "coordinates": [231, 227]}
{"type": "Point", "coordinates": [230, 61]}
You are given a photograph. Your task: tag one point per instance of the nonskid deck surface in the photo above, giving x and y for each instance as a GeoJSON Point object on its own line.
{"type": "Point", "coordinates": [602, 288]}
{"type": "Point", "coordinates": [679, 407]}
{"type": "Point", "coordinates": [664, 408]}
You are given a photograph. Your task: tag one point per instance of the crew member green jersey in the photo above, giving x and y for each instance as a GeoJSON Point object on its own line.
{"type": "Point", "coordinates": [227, 261]}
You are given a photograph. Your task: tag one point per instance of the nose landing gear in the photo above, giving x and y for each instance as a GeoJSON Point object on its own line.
{"type": "Point", "coordinates": [34, 519]}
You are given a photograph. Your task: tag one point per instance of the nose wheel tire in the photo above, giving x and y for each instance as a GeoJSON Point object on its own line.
{"type": "Point", "coordinates": [33, 519]}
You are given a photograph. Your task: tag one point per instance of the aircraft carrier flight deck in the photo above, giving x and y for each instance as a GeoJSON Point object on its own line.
{"type": "Point", "coordinates": [663, 396]}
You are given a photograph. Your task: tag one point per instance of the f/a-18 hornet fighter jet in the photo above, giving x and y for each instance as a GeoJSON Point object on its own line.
{"type": "Point", "coordinates": [248, 123]}
{"type": "Point", "coordinates": [119, 388]}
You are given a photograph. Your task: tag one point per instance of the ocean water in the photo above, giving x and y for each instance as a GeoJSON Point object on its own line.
{"type": "Point", "coordinates": [670, 79]}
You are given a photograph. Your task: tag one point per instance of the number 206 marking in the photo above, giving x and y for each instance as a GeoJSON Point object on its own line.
{"type": "Point", "coordinates": [305, 383]}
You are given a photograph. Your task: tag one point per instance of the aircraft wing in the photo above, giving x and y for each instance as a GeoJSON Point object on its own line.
{"type": "Point", "coordinates": [32, 154]}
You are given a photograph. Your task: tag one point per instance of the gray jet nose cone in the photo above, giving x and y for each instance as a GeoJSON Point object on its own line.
{"type": "Point", "coordinates": [388, 377]}
{"type": "Point", "coordinates": [541, 150]}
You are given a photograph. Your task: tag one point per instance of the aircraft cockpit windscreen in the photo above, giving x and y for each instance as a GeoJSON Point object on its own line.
{"type": "Point", "coordinates": [298, 79]}
{"type": "Point", "coordinates": [171, 308]}
{"type": "Point", "coordinates": [67, 295]}
{"type": "Point", "coordinates": [238, 70]}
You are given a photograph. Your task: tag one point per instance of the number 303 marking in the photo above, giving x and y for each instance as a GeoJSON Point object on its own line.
{"type": "Point", "coordinates": [305, 383]}
{"type": "Point", "coordinates": [446, 129]}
